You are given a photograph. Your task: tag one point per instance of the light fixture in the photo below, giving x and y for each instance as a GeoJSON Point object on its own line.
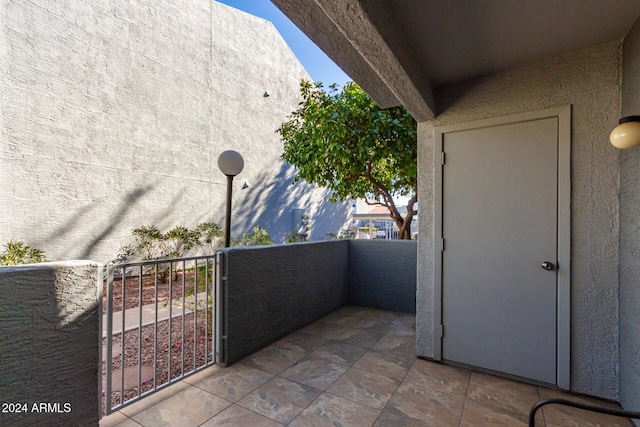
{"type": "Point", "coordinates": [231, 164]}
{"type": "Point", "coordinates": [627, 133]}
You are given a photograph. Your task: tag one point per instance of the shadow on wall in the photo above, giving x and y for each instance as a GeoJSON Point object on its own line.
{"type": "Point", "coordinates": [85, 248]}
{"type": "Point", "coordinates": [270, 201]}
{"type": "Point", "coordinates": [50, 350]}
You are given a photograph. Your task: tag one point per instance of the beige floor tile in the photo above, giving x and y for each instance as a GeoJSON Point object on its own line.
{"type": "Point", "coordinates": [205, 373]}
{"type": "Point", "coordinates": [340, 352]}
{"type": "Point", "coordinates": [152, 399]}
{"type": "Point", "coordinates": [574, 417]}
{"type": "Point", "coordinates": [272, 359]}
{"type": "Point", "coordinates": [389, 364]}
{"type": "Point", "coordinates": [391, 417]}
{"type": "Point", "coordinates": [345, 316]}
{"type": "Point", "coordinates": [301, 342]}
{"type": "Point", "coordinates": [408, 320]}
{"type": "Point", "coordinates": [401, 344]}
{"type": "Point", "coordinates": [362, 337]}
{"type": "Point", "coordinates": [323, 329]}
{"type": "Point", "coordinates": [236, 416]}
{"type": "Point", "coordinates": [433, 408]}
{"type": "Point", "coordinates": [476, 414]}
{"type": "Point", "coordinates": [503, 394]}
{"type": "Point", "coordinates": [234, 382]}
{"type": "Point", "coordinates": [429, 377]}
{"type": "Point", "coordinates": [375, 319]}
{"type": "Point", "coordinates": [315, 372]}
{"type": "Point", "coordinates": [280, 399]}
{"type": "Point", "coordinates": [190, 407]}
{"type": "Point", "coordinates": [329, 410]}
{"type": "Point", "coordinates": [128, 423]}
{"type": "Point", "coordinates": [364, 387]}
{"type": "Point", "coordinates": [114, 419]}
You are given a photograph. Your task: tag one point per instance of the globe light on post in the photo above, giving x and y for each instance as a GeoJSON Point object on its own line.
{"type": "Point", "coordinates": [231, 164]}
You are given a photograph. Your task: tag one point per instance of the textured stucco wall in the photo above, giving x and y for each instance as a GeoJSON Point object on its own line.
{"type": "Point", "coordinates": [49, 337]}
{"type": "Point", "coordinates": [630, 233]}
{"type": "Point", "coordinates": [275, 290]}
{"type": "Point", "coordinates": [112, 116]}
{"type": "Point", "coordinates": [589, 80]}
{"type": "Point", "coordinates": [382, 274]}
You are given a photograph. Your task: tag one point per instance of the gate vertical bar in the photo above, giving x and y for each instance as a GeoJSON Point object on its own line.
{"type": "Point", "coordinates": [109, 338]}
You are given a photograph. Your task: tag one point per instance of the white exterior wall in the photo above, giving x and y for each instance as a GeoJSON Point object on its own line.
{"type": "Point", "coordinates": [112, 116]}
{"type": "Point", "coordinates": [589, 81]}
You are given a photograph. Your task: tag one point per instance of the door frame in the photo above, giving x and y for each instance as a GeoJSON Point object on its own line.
{"type": "Point", "coordinates": [563, 355]}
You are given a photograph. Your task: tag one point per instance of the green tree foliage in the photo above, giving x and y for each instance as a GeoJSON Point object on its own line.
{"type": "Point", "coordinates": [16, 252]}
{"type": "Point", "coordinates": [343, 141]}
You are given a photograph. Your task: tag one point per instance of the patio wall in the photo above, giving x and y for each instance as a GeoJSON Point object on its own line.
{"type": "Point", "coordinates": [589, 81]}
{"type": "Point", "coordinates": [275, 290]}
{"type": "Point", "coordinates": [49, 338]}
{"type": "Point", "coordinates": [630, 233]}
{"type": "Point", "coordinates": [272, 291]}
{"type": "Point", "coordinates": [382, 274]}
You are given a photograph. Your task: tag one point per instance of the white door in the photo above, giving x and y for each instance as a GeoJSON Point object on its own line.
{"type": "Point", "coordinates": [499, 224]}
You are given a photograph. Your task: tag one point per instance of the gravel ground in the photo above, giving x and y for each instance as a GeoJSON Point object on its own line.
{"type": "Point", "coordinates": [178, 349]}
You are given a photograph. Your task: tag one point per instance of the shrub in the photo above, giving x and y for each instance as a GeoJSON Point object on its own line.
{"type": "Point", "coordinates": [17, 252]}
{"type": "Point", "coordinates": [258, 236]}
{"type": "Point", "coordinates": [341, 235]}
{"type": "Point", "coordinates": [207, 237]}
{"type": "Point", "coordinates": [295, 237]}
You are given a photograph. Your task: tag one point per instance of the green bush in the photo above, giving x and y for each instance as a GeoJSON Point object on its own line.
{"type": "Point", "coordinates": [208, 237]}
{"type": "Point", "coordinates": [16, 253]}
{"type": "Point", "coordinates": [341, 235]}
{"type": "Point", "coordinates": [258, 236]}
{"type": "Point", "coordinates": [295, 237]}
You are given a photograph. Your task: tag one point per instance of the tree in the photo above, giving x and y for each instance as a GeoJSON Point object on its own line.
{"type": "Point", "coordinates": [343, 141]}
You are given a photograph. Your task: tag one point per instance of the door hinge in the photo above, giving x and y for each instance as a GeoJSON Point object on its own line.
{"type": "Point", "coordinates": [441, 245]}
{"type": "Point", "coordinates": [440, 331]}
{"type": "Point", "coordinates": [443, 158]}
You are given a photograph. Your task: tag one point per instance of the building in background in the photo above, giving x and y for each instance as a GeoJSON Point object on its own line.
{"type": "Point", "coordinates": [113, 116]}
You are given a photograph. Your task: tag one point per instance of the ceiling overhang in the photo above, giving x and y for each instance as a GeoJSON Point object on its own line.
{"type": "Point", "coordinates": [402, 51]}
{"type": "Point", "coordinates": [345, 33]}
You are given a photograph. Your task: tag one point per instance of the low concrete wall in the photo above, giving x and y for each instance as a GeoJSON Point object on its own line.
{"type": "Point", "coordinates": [275, 290]}
{"type": "Point", "coordinates": [382, 274]}
{"type": "Point", "coordinates": [49, 337]}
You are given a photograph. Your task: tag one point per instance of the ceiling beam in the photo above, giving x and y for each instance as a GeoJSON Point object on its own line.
{"type": "Point", "coordinates": [344, 31]}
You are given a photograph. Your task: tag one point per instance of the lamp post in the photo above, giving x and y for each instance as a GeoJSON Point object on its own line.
{"type": "Point", "coordinates": [230, 163]}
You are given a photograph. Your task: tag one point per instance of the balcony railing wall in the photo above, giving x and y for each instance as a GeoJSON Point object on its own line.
{"type": "Point", "coordinates": [382, 274]}
{"type": "Point", "coordinates": [270, 292]}
{"type": "Point", "coordinates": [49, 336]}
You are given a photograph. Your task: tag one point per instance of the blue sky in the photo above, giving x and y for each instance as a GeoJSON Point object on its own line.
{"type": "Point", "coordinates": [318, 65]}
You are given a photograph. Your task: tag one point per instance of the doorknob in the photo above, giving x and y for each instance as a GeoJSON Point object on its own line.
{"type": "Point", "coordinates": [547, 266]}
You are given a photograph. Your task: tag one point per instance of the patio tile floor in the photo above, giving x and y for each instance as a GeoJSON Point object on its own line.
{"type": "Point", "coordinates": [354, 367]}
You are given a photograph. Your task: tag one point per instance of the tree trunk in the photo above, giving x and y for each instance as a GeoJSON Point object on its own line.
{"type": "Point", "coordinates": [404, 224]}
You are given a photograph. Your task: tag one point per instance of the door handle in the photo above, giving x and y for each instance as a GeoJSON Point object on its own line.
{"type": "Point", "coordinates": [547, 265]}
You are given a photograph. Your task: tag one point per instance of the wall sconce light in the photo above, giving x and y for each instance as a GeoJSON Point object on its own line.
{"type": "Point", "coordinates": [627, 133]}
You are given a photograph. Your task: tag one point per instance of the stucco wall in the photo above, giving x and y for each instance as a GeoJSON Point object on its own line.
{"type": "Point", "coordinates": [630, 233]}
{"type": "Point", "coordinates": [112, 116]}
{"type": "Point", "coordinates": [382, 274]}
{"type": "Point", "coordinates": [589, 81]}
{"type": "Point", "coordinates": [50, 343]}
{"type": "Point", "coordinates": [275, 290]}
